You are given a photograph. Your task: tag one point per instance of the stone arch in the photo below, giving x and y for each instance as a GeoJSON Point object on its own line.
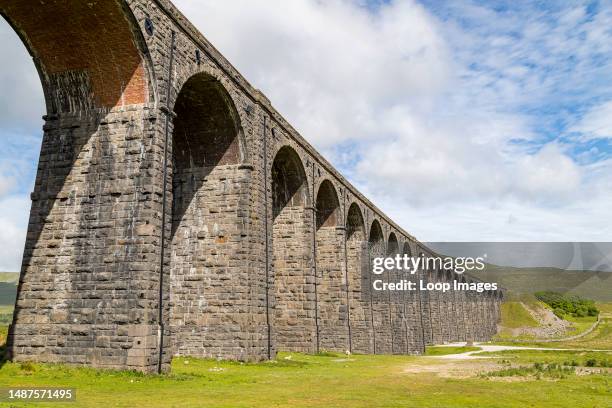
{"type": "Point", "coordinates": [295, 314]}
{"type": "Point", "coordinates": [358, 281]}
{"type": "Point", "coordinates": [207, 222]}
{"type": "Point", "coordinates": [332, 299]}
{"type": "Point", "coordinates": [289, 181]}
{"type": "Point", "coordinates": [355, 224]}
{"type": "Point", "coordinates": [392, 244]}
{"type": "Point", "coordinates": [80, 69]}
{"type": "Point", "coordinates": [376, 237]}
{"type": "Point", "coordinates": [406, 248]}
{"type": "Point", "coordinates": [412, 307]}
{"type": "Point", "coordinates": [327, 205]}
{"type": "Point", "coordinates": [91, 186]}
{"type": "Point", "coordinates": [446, 305]}
{"type": "Point", "coordinates": [469, 310]}
{"type": "Point", "coordinates": [460, 308]}
{"type": "Point", "coordinates": [395, 299]}
{"type": "Point", "coordinates": [455, 311]}
{"type": "Point", "coordinates": [204, 79]}
{"type": "Point", "coordinates": [435, 300]}
{"type": "Point", "coordinates": [207, 129]}
{"type": "Point", "coordinates": [425, 299]}
{"type": "Point", "coordinates": [380, 299]}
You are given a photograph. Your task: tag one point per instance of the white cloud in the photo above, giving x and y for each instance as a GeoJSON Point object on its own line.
{"type": "Point", "coordinates": [451, 116]}
{"type": "Point", "coordinates": [6, 184]}
{"type": "Point", "coordinates": [331, 67]}
{"type": "Point", "coordinates": [596, 123]}
{"type": "Point", "coordinates": [432, 115]}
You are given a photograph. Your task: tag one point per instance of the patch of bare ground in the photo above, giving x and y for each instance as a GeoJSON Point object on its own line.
{"type": "Point", "coordinates": [453, 368]}
{"type": "Point", "coordinates": [472, 364]}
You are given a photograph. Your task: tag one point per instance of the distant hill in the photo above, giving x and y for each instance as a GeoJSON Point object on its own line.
{"type": "Point", "coordinates": [588, 284]}
{"type": "Point", "coordinates": [8, 288]}
{"type": "Point", "coordinates": [8, 292]}
{"type": "Point", "coordinates": [9, 276]}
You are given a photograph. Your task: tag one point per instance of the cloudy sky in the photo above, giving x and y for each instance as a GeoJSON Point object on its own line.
{"type": "Point", "coordinates": [464, 121]}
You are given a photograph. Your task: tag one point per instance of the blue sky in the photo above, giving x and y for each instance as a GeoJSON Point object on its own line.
{"type": "Point", "coordinates": [473, 121]}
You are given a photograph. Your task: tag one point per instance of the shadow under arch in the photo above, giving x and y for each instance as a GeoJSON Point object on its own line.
{"type": "Point", "coordinates": [380, 306]}
{"type": "Point", "coordinates": [424, 275]}
{"type": "Point", "coordinates": [79, 68]}
{"type": "Point", "coordinates": [331, 279]}
{"type": "Point", "coordinates": [206, 136]}
{"type": "Point", "coordinates": [413, 315]}
{"type": "Point", "coordinates": [209, 186]}
{"type": "Point", "coordinates": [395, 299]}
{"type": "Point", "coordinates": [327, 205]}
{"type": "Point", "coordinates": [289, 183]}
{"type": "Point", "coordinates": [453, 328]}
{"type": "Point", "coordinates": [358, 271]}
{"type": "Point", "coordinates": [295, 321]}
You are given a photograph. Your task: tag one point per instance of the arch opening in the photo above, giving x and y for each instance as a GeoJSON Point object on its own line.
{"type": "Point", "coordinates": [358, 281]}
{"type": "Point", "coordinates": [294, 323]}
{"type": "Point", "coordinates": [381, 306]}
{"type": "Point", "coordinates": [376, 238]}
{"type": "Point", "coordinates": [331, 279]}
{"type": "Point", "coordinates": [79, 68]}
{"type": "Point", "coordinates": [207, 223]}
{"type": "Point", "coordinates": [412, 308]}
{"type": "Point", "coordinates": [289, 186]}
{"type": "Point", "coordinates": [327, 205]}
{"type": "Point", "coordinates": [395, 299]}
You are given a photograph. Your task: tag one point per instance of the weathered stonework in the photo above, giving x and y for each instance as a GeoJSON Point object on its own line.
{"type": "Point", "coordinates": [175, 212]}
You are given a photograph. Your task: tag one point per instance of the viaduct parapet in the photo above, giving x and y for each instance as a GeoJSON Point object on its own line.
{"type": "Point", "coordinates": [175, 211]}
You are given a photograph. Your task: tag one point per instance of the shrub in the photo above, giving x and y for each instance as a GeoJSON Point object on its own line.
{"type": "Point", "coordinates": [27, 366]}
{"type": "Point", "coordinates": [568, 304]}
{"type": "Point", "coordinates": [559, 313]}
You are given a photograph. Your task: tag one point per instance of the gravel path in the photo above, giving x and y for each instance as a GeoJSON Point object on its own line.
{"type": "Point", "coordinates": [491, 347]}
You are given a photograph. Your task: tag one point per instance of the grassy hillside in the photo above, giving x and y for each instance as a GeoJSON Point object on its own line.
{"type": "Point", "coordinates": [514, 315]}
{"type": "Point", "coordinates": [523, 317]}
{"type": "Point", "coordinates": [9, 276]}
{"type": "Point", "coordinates": [588, 284]}
{"type": "Point", "coordinates": [598, 339]}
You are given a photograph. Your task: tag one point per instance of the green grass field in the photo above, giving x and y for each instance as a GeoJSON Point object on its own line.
{"type": "Point", "coordinates": [298, 380]}
{"type": "Point", "coordinates": [605, 308]}
{"type": "Point", "coordinates": [6, 315]}
{"type": "Point", "coordinates": [503, 379]}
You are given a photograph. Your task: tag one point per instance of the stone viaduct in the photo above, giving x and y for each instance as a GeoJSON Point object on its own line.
{"type": "Point", "coordinates": [175, 211]}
